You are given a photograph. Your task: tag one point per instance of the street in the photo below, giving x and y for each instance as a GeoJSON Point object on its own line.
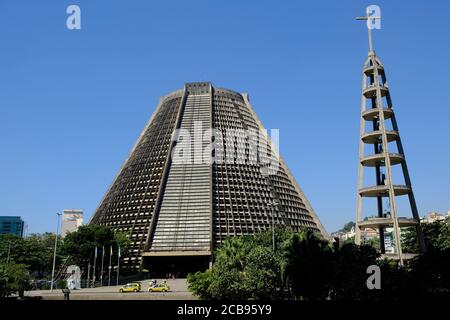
{"type": "Point", "coordinates": [178, 291]}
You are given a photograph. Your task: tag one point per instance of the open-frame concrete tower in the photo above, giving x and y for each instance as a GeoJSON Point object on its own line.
{"type": "Point", "coordinates": [379, 129]}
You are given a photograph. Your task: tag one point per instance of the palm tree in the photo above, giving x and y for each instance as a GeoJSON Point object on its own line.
{"type": "Point", "coordinates": [308, 266]}
{"type": "Point", "coordinates": [233, 253]}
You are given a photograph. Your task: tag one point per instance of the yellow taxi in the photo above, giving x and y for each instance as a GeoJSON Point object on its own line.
{"type": "Point", "coordinates": [130, 287]}
{"type": "Point", "coordinates": [162, 287]}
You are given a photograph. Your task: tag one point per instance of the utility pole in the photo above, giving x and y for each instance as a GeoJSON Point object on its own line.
{"type": "Point", "coordinates": [109, 271]}
{"type": "Point", "coordinates": [95, 260]}
{"type": "Point", "coordinates": [9, 252]}
{"type": "Point", "coordinates": [88, 273]}
{"type": "Point", "coordinates": [118, 265]}
{"type": "Point", "coordinates": [101, 274]}
{"type": "Point", "coordinates": [54, 251]}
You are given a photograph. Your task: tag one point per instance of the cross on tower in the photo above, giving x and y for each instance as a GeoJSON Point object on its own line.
{"type": "Point", "coordinates": [372, 22]}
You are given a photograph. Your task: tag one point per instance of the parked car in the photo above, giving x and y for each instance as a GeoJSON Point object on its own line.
{"type": "Point", "coordinates": [130, 287]}
{"type": "Point", "coordinates": [162, 287]}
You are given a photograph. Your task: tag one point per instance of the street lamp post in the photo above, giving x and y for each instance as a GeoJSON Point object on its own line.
{"type": "Point", "coordinates": [101, 274]}
{"type": "Point", "coordinates": [88, 273]}
{"type": "Point", "coordinates": [9, 252]}
{"type": "Point", "coordinates": [54, 251]}
{"type": "Point", "coordinates": [109, 268]}
{"type": "Point", "coordinates": [272, 206]}
{"type": "Point", "coordinates": [95, 260]}
{"type": "Point", "coordinates": [118, 265]}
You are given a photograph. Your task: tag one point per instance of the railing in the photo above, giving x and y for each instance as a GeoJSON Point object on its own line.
{"type": "Point", "coordinates": [372, 85]}
{"type": "Point", "coordinates": [122, 280]}
{"type": "Point", "coordinates": [44, 284]}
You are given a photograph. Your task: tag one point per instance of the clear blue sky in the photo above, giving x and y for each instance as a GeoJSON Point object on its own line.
{"type": "Point", "coordinates": [72, 103]}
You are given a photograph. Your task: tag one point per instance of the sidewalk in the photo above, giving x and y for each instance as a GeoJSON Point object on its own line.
{"type": "Point", "coordinates": [178, 291]}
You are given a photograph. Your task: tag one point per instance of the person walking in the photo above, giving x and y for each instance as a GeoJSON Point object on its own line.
{"type": "Point", "coordinates": [66, 292]}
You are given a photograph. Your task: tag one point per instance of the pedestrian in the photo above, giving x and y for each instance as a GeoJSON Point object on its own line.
{"type": "Point", "coordinates": [66, 292]}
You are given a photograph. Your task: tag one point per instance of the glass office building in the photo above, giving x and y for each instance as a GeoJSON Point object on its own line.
{"type": "Point", "coordinates": [12, 225]}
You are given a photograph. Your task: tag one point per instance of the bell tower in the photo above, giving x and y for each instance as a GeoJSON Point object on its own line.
{"type": "Point", "coordinates": [380, 150]}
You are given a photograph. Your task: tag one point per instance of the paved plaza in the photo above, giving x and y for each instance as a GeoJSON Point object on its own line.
{"type": "Point", "coordinates": [178, 291]}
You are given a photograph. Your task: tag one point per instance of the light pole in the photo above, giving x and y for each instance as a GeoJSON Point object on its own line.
{"type": "Point", "coordinates": [101, 274]}
{"type": "Point", "coordinates": [9, 252]}
{"type": "Point", "coordinates": [54, 251]}
{"type": "Point", "coordinates": [272, 206]}
{"type": "Point", "coordinates": [109, 271]}
{"type": "Point", "coordinates": [95, 260]}
{"type": "Point", "coordinates": [88, 285]}
{"type": "Point", "coordinates": [118, 265]}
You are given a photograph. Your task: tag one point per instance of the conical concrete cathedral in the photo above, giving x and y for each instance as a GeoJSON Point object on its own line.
{"type": "Point", "coordinates": [202, 170]}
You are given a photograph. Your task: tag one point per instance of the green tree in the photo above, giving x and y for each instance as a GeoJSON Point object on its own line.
{"type": "Point", "coordinates": [430, 274]}
{"type": "Point", "coordinates": [199, 283]}
{"type": "Point", "coordinates": [349, 240]}
{"type": "Point", "coordinates": [436, 235]}
{"type": "Point", "coordinates": [39, 250]}
{"type": "Point", "coordinates": [443, 239]}
{"type": "Point", "coordinates": [233, 252]}
{"type": "Point", "coordinates": [282, 241]}
{"type": "Point", "coordinates": [245, 267]}
{"type": "Point", "coordinates": [14, 279]}
{"type": "Point", "coordinates": [308, 266]}
{"type": "Point", "coordinates": [409, 240]}
{"type": "Point", "coordinates": [11, 245]}
{"type": "Point", "coordinates": [349, 275]}
{"type": "Point", "coordinates": [263, 274]}
{"type": "Point", "coordinates": [227, 279]}
{"type": "Point", "coordinates": [395, 281]}
{"type": "Point", "coordinates": [348, 226]}
{"type": "Point", "coordinates": [373, 242]}
{"type": "Point", "coordinates": [34, 251]}
{"type": "Point", "coordinates": [80, 245]}
{"type": "Point", "coordinates": [226, 283]}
